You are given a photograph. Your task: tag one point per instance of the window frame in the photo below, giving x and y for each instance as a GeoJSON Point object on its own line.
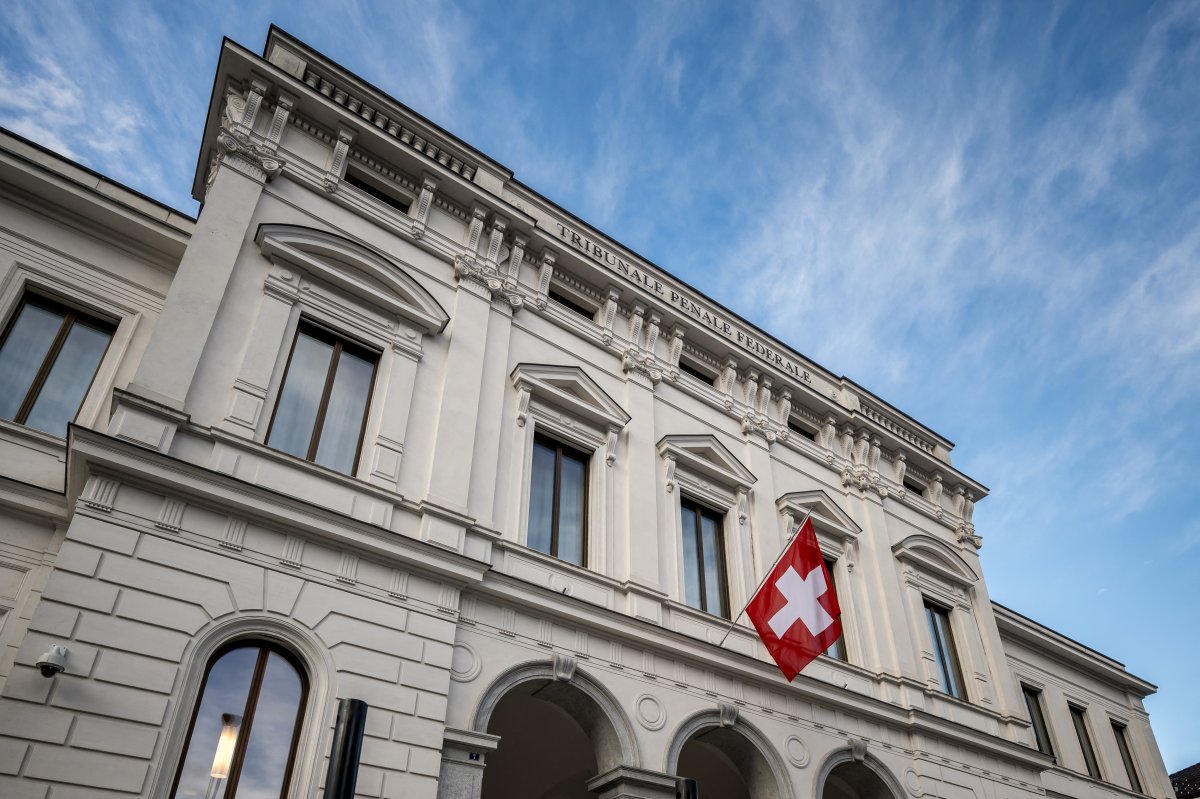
{"type": "Point", "coordinates": [1037, 719]}
{"type": "Point", "coordinates": [544, 439]}
{"type": "Point", "coordinates": [70, 313]}
{"type": "Point", "coordinates": [265, 648]}
{"type": "Point", "coordinates": [945, 649]}
{"type": "Point", "coordinates": [699, 508]}
{"type": "Point", "coordinates": [1084, 737]}
{"type": "Point", "coordinates": [836, 650]}
{"type": "Point", "coordinates": [1123, 748]}
{"type": "Point", "coordinates": [315, 330]}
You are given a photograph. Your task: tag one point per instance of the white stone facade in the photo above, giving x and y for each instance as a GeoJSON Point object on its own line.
{"type": "Point", "coordinates": [163, 526]}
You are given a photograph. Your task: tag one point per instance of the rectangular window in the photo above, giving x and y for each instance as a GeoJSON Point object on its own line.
{"type": "Point", "coordinates": [558, 500]}
{"type": "Point", "coordinates": [1041, 734]}
{"type": "Point", "coordinates": [49, 355]}
{"type": "Point", "coordinates": [797, 427]}
{"type": "Point", "coordinates": [689, 367]}
{"type": "Point", "coordinates": [1126, 756]}
{"type": "Point", "coordinates": [1079, 719]}
{"type": "Point", "coordinates": [571, 305]}
{"type": "Point", "coordinates": [368, 187]}
{"type": "Point", "coordinates": [703, 558]}
{"type": "Point", "coordinates": [949, 672]}
{"type": "Point", "coordinates": [838, 649]}
{"type": "Point", "coordinates": [322, 407]}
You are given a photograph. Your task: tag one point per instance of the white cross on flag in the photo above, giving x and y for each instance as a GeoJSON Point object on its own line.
{"type": "Point", "coordinates": [795, 610]}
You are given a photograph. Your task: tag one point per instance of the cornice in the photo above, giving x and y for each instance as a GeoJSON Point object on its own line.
{"type": "Point", "coordinates": [1047, 642]}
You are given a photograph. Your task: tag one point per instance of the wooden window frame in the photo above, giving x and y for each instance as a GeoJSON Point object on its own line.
{"type": "Point", "coordinates": [339, 343]}
{"type": "Point", "coordinates": [1135, 782]}
{"type": "Point", "coordinates": [1037, 719]}
{"type": "Point", "coordinates": [70, 315]}
{"type": "Point", "coordinates": [836, 650]}
{"type": "Point", "coordinates": [558, 446]}
{"type": "Point", "coordinates": [1088, 749]}
{"type": "Point", "coordinates": [945, 650]}
{"type": "Point", "coordinates": [699, 509]}
{"type": "Point", "coordinates": [265, 648]}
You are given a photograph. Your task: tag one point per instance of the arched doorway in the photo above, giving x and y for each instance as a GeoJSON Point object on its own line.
{"type": "Point", "coordinates": [854, 781]}
{"type": "Point", "coordinates": [855, 774]}
{"type": "Point", "coordinates": [557, 731]}
{"type": "Point", "coordinates": [730, 761]}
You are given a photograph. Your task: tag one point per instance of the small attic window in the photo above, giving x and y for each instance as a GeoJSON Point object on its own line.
{"type": "Point", "coordinates": [395, 200]}
{"type": "Point", "coordinates": [571, 305]}
{"type": "Point", "coordinates": [909, 485]}
{"type": "Point", "coordinates": [796, 426]}
{"type": "Point", "coordinates": [690, 367]}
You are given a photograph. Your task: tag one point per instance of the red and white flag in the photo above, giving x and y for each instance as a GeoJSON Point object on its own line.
{"type": "Point", "coordinates": [795, 610]}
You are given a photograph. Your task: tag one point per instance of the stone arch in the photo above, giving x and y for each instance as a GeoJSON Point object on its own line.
{"type": "Point", "coordinates": [588, 702]}
{"type": "Point", "coordinates": [301, 643]}
{"type": "Point", "coordinates": [856, 765]}
{"type": "Point", "coordinates": [749, 749]}
{"type": "Point", "coordinates": [353, 268]}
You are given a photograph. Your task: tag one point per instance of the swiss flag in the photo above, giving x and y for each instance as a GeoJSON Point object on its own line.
{"type": "Point", "coordinates": [795, 611]}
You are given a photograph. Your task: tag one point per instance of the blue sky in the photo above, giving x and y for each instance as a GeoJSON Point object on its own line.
{"type": "Point", "coordinates": [989, 215]}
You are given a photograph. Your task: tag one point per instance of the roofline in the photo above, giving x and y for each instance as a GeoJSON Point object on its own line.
{"type": "Point", "coordinates": [1006, 616]}
{"type": "Point", "coordinates": [105, 178]}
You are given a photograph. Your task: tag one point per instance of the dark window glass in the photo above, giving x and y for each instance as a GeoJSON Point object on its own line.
{"type": "Point", "coordinates": [322, 404]}
{"type": "Point", "coordinates": [1041, 734]}
{"type": "Point", "coordinates": [558, 500]}
{"type": "Point", "coordinates": [243, 733]}
{"type": "Point", "coordinates": [1079, 719]}
{"type": "Point", "coordinates": [399, 203]}
{"type": "Point", "coordinates": [838, 648]}
{"type": "Point", "coordinates": [1126, 756]}
{"type": "Point", "coordinates": [949, 672]}
{"type": "Point", "coordinates": [797, 427]}
{"type": "Point", "coordinates": [571, 305]}
{"type": "Point", "coordinates": [48, 358]}
{"type": "Point", "coordinates": [703, 559]}
{"type": "Point", "coordinates": [688, 368]}
{"type": "Point", "coordinates": [909, 485]}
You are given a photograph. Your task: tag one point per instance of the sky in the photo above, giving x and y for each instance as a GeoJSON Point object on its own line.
{"type": "Point", "coordinates": [986, 214]}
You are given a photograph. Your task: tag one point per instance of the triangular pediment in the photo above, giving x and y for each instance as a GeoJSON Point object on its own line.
{"type": "Point", "coordinates": [703, 454]}
{"type": "Point", "coordinates": [825, 512]}
{"type": "Point", "coordinates": [569, 389]}
{"type": "Point", "coordinates": [355, 269]}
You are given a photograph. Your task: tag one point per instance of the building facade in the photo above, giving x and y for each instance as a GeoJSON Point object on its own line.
{"type": "Point", "coordinates": [384, 423]}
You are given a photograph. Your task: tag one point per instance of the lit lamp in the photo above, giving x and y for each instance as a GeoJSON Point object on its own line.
{"type": "Point", "coordinates": [223, 759]}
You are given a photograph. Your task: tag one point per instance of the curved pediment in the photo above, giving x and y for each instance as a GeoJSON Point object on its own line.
{"type": "Point", "coordinates": [570, 389]}
{"type": "Point", "coordinates": [704, 455]}
{"type": "Point", "coordinates": [825, 512]}
{"type": "Point", "coordinates": [353, 268]}
{"type": "Point", "coordinates": [935, 557]}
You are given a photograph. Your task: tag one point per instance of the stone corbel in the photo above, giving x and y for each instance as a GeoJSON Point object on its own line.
{"type": "Point", "coordinates": [675, 350]}
{"type": "Point", "coordinates": [751, 384]}
{"type": "Point", "coordinates": [284, 107]}
{"type": "Point", "coordinates": [545, 273]}
{"type": "Point", "coordinates": [846, 441]}
{"type": "Point", "coordinates": [828, 432]}
{"type": "Point", "coordinates": [515, 257]}
{"type": "Point", "coordinates": [563, 667]}
{"type": "Point", "coordinates": [862, 447]}
{"type": "Point", "coordinates": [337, 163]}
{"type": "Point", "coordinates": [728, 713]}
{"type": "Point", "coordinates": [743, 505]}
{"type": "Point", "coordinates": [957, 500]}
{"type": "Point", "coordinates": [523, 406]}
{"type": "Point", "coordinates": [933, 492]}
{"type": "Point", "coordinates": [873, 454]}
{"type": "Point", "coordinates": [670, 473]}
{"type": "Point", "coordinates": [785, 408]}
{"type": "Point", "coordinates": [726, 382]}
{"type": "Point", "coordinates": [899, 469]}
{"type": "Point", "coordinates": [429, 185]}
{"type": "Point", "coordinates": [610, 446]}
{"type": "Point", "coordinates": [467, 263]}
{"type": "Point", "coordinates": [495, 239]}
{"type": "Point", "coordinates": [652, 334]}
{"type": "Point", "coordinates": [244, 126]}
{"type": "Point", "coordinates": [610, 315]}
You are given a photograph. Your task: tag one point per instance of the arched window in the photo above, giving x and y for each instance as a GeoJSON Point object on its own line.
{"type": "Point", "coordinates": [243, 733]}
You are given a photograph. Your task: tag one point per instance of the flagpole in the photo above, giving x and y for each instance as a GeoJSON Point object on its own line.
{"type": "Point", "coordinates": [764, 579]}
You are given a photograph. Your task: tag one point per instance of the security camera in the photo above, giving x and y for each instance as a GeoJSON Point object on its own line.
{"type": "Point", "coordinates": [53, 661]}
